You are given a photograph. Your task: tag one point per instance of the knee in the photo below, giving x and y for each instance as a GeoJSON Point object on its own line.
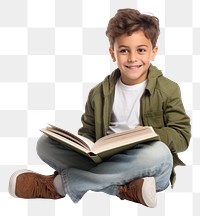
{"type": "Point", "coordinates": [163, 171]}
{"type": "Point", "coordinates": [41, 143]}
{"type": "Point", "coordinates": [43, 147]}
{"type": "Point", "coordinates": [163, 151]}
{"type": "Point", "coordinates": [164, 155]}
{"type": "Point", "coordinates": [159, 153]}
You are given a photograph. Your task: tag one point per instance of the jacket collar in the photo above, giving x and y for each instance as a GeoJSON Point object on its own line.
{"type": "Point", "coordinates": [110, 81]}
{"type": "Point", "coordinates": [154, 73]}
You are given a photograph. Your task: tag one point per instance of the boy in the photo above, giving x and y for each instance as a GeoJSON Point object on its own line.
{"type": "Point", "coordinates": [136, 94]}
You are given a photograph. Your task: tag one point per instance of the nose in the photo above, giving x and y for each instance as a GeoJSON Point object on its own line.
{"type": "Point", "coordinates": [132, 57]}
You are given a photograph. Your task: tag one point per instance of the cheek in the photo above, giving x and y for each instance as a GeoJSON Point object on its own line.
{"type": "Point", "coordinates": [147, 59]}
{"type": "Point", "coordinates": [121, 59]}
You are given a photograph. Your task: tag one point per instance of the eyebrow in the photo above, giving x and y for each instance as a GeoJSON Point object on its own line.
{"type": "Point", "coordinates": [124, 46]}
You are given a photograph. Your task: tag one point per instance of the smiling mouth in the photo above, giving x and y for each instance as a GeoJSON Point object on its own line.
{"type": "Point", "coordinates": [133, 66]}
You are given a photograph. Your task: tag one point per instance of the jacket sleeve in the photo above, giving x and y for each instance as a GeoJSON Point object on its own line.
{"type": "Point", "coordinates": [88, 124]}
{"type": "Point", "coordinates": [177, 130]}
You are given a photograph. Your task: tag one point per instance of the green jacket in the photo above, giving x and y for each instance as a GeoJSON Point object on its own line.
{"type": "Point", "coordinates": [160, 107]}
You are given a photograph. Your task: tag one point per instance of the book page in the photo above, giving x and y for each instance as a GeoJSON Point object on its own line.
{"type": "Point", "coordinates": [124, 138]}
{"type": "Point", "coordinates": [76, 138]}
{"type": "Point", "coordinates": [66, 141]}
{"type": "Point", "coordinates": [86, 140]}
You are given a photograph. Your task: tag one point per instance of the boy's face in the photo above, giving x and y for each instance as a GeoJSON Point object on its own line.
{"type": "Point", "coordinates": [133, 55]}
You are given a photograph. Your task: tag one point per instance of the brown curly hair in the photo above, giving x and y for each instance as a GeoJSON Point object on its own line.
{"type": "Point", "coordinates": [127, 21]}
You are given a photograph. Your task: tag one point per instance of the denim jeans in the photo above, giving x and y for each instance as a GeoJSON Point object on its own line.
{"type": "Point", "coordinates": [80, 174]}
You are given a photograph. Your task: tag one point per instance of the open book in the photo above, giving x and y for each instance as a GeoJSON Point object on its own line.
{"type": "Point", "coordinates": [106, 146]}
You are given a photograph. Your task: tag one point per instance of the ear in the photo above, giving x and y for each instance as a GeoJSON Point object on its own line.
{"type": "Point", "coordinates": [154, 52]}
{"type": "Point", "coordinates": [112, 54]}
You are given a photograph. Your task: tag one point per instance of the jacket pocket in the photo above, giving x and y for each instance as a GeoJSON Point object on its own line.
{"type": "Point", "coordinates": [155, 119]}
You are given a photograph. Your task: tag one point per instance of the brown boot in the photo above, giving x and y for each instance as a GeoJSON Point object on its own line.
{"type": "Point", "coordinates": [27, 184]}
{"type": "Point", "coordinates": [141, 191]}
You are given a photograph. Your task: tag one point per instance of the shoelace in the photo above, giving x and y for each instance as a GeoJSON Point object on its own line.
{"type": "Point", "coordinates": [130, 193]}
{"type": "Point", "coordinates": [47, 189]}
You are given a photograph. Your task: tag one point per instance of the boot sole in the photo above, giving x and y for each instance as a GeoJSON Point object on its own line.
{"type": "Point", "coordinates": [149, 192]}
{"type": "Point", "coordinates": [12, 182]}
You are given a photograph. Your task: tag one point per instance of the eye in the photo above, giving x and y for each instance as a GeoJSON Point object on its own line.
{"type": "Point", "coordinates": [141, 50]}
{"type": "Point", "coordinates": [123, 51]}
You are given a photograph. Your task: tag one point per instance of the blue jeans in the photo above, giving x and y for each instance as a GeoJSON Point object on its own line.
{"type": "Point", "coordinates": [80, 174]}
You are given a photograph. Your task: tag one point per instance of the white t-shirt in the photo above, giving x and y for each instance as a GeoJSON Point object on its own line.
{"type": "Point", "coordinates": [126, 107]}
